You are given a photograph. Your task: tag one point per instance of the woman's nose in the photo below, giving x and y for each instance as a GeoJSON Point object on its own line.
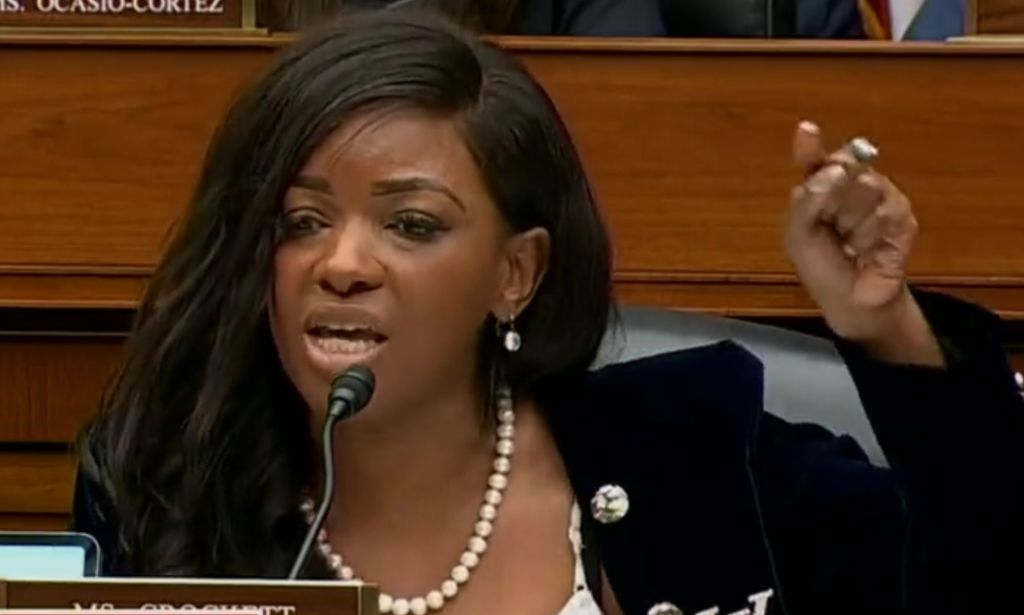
{"type": "Point", "coordinates": [350, 265]}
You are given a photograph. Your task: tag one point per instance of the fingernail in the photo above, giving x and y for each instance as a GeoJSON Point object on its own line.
{"type": "Point", "coordinates": [849, 251]}
{"type": "Point", "coordinates": [809, 127]}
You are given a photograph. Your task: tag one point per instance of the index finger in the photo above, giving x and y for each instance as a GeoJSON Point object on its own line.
{"type": "Point", "coordinates": [808, 147]}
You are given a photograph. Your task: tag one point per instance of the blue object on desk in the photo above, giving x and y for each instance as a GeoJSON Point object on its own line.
{"type": "Point", "coordinates": [48, 556]}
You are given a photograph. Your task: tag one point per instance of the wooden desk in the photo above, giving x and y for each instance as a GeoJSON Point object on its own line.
{"type": "Point", "coordinates": [687, 143]}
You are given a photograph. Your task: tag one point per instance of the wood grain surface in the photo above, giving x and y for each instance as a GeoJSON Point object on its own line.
{"type": "Point", "coordinates": [687, 147]}
{"type": "Point", "coordinates": [1000, 16]}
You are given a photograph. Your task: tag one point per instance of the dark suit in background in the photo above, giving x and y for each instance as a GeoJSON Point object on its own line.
{"type": "Point", "coordinates": [680, 18]}
{"type": "Point", "coordinates": [698, 18]}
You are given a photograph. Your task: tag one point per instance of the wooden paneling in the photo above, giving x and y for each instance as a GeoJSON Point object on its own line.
{"type": "Point", "coordinates": [40, 522]}
{"type": "Point", "coordinates": [1000, 16]}
{"type": "Point", "coordinates": [101, 148]}
{"type": "Point", "coordinates": [36, 489]}
{"type": "Point", "coordinates": [687, 144]}
{"type": "Point", "coordinates": [693, 165]}
{"type": "Point", "coordinates": [35, 482]}
{"type": "Point", "coordinates": [62, 287]}
{"type": "Point", "coordinates": [51, 383]}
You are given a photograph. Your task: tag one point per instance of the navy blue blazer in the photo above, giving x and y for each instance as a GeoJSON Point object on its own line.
{"type": "Point", "coordinates": [728, 503]}
{"type": "Point", "coordinates": [733, 508]}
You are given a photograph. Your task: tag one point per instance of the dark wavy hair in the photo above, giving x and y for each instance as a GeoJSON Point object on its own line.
{"type": "Point", "coordinates": [201, 451]}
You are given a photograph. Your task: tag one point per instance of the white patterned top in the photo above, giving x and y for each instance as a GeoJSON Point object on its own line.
{"type": "Point", "coordinates": [581, 602]}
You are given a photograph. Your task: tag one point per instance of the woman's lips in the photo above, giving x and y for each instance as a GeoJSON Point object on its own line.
{"type": "Point", "coordinates": [333, 354]}
{"type": "Point", "coordinates": [339, 335]}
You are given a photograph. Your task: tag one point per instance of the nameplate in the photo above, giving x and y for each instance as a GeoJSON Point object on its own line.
{"type": "Point", "coordinates": [141, 611]}
{"type": "Point", "coordinates": [128, 15]}
{"type": "Point", "coordinates": [167, 596]}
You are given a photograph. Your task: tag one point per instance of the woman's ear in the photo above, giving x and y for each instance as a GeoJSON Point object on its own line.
{"type": "Point", "coordinates": [525, 257]}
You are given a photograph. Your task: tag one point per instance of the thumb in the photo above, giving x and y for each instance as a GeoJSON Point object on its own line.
{"type": "Point", "coordinates": [808, 147]}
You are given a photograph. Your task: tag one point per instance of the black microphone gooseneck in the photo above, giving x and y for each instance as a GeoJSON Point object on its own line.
{"type": "Point", "coordinates": [350, 392]}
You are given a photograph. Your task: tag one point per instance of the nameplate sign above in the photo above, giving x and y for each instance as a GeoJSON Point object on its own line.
{"type": "Point", "coordinates": [128, 15]}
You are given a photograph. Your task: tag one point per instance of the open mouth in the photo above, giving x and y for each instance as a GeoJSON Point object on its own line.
{"type": "Point", "coordinates": [339, 336]}
{"type": "Point", "coordinates": [345, 339]}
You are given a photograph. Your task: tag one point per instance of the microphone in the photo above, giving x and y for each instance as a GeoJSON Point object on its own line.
{"type": "Point", "coordinates": [350, 392]}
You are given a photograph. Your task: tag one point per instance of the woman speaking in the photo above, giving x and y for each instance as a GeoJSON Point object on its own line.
{"type": "Point", "coordinates": [396, 193]}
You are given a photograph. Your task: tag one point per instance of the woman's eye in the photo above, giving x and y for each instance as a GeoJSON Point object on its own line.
{"type": "Point", "coordinates": [301, 224]}
{"type": "Point", "coordinates": [416, 226]}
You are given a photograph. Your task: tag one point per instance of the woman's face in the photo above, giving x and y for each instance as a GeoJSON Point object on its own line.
{"type": "Point", "coordinates": [392, 254]}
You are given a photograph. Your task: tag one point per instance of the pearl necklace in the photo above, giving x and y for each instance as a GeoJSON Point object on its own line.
{"type": "Point", "coordinates": [477, 546]}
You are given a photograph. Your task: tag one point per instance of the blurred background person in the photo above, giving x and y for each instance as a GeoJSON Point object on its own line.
{"type": "Point", "coordinates": [640, 18]}
{"type": "Point", "coordinates": [935, 20]}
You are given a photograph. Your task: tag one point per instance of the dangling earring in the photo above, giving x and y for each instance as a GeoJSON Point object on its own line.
{"type": "Point", "coordinates": [511, 338]}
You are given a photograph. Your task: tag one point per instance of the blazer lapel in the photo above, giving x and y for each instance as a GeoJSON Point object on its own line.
{"type": "Point", "coordinates": [674, 433]}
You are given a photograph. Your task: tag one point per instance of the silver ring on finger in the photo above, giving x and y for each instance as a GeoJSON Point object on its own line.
{"type": "Point", "coordinates": [863, 150]}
